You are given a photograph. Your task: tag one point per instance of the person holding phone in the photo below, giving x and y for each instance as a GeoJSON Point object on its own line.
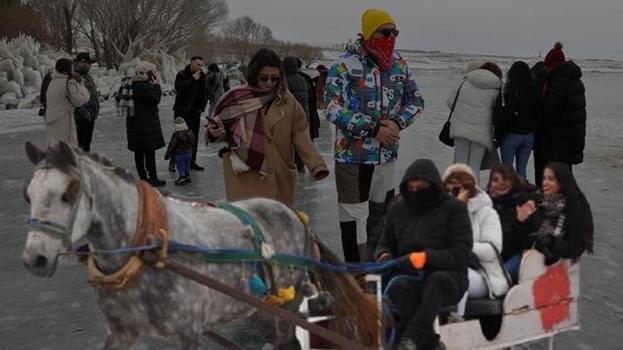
{"type": "Point", "coordinates": [143, 124]}
{"type": "Point", "coordinates": [191, 98]}
{"type": "Point", "coordinates": [263, 124]}
{"type": "Point", "coordinates": [63, 95]}
{"type": "Point", "coordinates": [486, 274]}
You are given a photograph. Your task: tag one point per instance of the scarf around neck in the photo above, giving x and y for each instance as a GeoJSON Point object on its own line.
{"type": "Point", "coordinates": [240, 110]}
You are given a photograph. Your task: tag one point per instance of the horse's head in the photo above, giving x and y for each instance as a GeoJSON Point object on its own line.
{"type": "Point", "coordinates": [59, 208]}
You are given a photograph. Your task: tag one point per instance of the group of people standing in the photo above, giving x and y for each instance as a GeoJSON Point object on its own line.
{"type": "Point", "coordinates": [540, 109]}
{"type": "Point", "coordinates": [468, 241]}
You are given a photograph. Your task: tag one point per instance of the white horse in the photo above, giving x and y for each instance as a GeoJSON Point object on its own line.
{"type": "Point", "coordinates": [78, 198]}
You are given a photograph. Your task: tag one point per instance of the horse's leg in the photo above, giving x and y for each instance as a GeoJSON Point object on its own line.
{"type": "Point", "coordinates": [118, 341]}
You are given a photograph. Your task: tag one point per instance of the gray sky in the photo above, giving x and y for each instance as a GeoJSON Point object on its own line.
{"type": "Point", "coordinates": [587, 28]}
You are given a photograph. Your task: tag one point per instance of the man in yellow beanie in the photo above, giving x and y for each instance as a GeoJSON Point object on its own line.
{"type": "Point", "coordinates": [370, 97]}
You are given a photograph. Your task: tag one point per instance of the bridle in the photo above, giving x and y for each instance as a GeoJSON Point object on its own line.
{"type": "Point", "coordinates": [60, 231]}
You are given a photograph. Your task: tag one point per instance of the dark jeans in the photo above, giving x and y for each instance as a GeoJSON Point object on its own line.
{"type": "Point", "coordinates": [516, 148]}
{"type": "Point", "coordinates": [415, 305]}
{"type": "Point", "coordinates": [183, 164]}
{"type": "Point", "coordinates": [85, 133]}
{"type": "Point", "coordinates": [146, 164]}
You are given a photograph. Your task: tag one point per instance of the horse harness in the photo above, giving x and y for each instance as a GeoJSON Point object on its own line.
{"type": "Point", "coordinates": [151, 223]}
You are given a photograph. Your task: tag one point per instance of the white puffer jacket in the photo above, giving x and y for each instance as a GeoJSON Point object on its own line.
{"type": "Point", "coordinates": [487, 232]}
{"type": "Point", "coordinates": [472, 117]}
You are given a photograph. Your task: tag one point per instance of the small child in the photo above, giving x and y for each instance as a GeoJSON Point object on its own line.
{"type": "Point", "coordinates": [181, 147]}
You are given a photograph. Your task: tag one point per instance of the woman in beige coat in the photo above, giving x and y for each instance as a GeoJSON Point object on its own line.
{"type": "Point", "coordinates": [63, 95]}
{"type": "Point", "coordinates": [265, 168]}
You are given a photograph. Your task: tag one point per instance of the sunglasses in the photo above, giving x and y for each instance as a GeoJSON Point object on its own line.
{"type": "Point", "coordinates": [388, 31]}
{"type": "Point", "coordinates": [265, 78]}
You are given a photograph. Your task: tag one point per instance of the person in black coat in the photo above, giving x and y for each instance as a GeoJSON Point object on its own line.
{"type": "Point", "coordinates": [304, 93]}
{"type": "Point", "coordinates": [515, 201]}
{"type": "Point", "coordinates": [563, 126]}
{"type": "Point", "coordinates": [566, 221]}
{"type": "Point", "coordinates": [432, 232]}
{"type": "Point", "coordinates": [191, 97]}
{"type": "Point", "coordinates": [143, 128]}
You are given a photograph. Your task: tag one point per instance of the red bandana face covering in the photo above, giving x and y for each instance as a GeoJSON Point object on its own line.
{"type": "Point", "coordinates": [382, 49]}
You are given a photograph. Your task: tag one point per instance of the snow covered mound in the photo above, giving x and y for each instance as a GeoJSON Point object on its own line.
{"type": "Point", "coordinates": [23, 64]}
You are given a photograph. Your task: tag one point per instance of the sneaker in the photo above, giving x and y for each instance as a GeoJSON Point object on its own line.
{"type": "Point", "coordinates": [188, 179]}
{"type": "Point", "coordinates": [180, 181]}
{"type": "Point", "coordinates": [195, 166]}
{"type": "Point", "coordinates": [407, 344]}
{"type": "Point", "coordinates": [157, 182]}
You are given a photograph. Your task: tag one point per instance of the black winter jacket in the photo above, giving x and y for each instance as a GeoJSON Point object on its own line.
{"type": "Point", "coordinates": [314, 118]}
{"type": "Point", "coordinates": [143, 129]}
{"type": "Point", "coordinates": [523, 113]}
{"type": "Point", "coordinates": [181, 143]}
{"type": "Point", "coordinates": [577, 228]}
{"type": "Point", "coordinates": [515, 234]}
{"type": "Point", "coordinates": [443, 230]}
{"type": "Point", "coordinates": [187, 89]}
{"type": "Point", "coordinates": [563, 127]}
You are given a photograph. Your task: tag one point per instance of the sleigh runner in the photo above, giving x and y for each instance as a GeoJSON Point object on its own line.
{"type": "Point", "coordinates": [255, 265]}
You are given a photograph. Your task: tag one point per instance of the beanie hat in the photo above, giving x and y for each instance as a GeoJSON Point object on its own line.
{"type": "Point", "coordinates": [179, 124]}
{"type": "Point", "coordinates": [372, 19]}
{"type": "Point", "coordinates": [475, 64]}
{"type": "Point", "coordinates": [458, 169]}
{"type": "Point", "coordinates": [554, 57]}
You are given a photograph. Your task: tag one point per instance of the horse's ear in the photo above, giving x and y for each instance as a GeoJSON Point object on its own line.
{"type": "Point", "coordinates": [35, 155]}
{"type": "Point", "coordinates": [67, 153]}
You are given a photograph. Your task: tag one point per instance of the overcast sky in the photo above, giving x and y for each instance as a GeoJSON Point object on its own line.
{"type": "Point", "coordinates": [587, 28]}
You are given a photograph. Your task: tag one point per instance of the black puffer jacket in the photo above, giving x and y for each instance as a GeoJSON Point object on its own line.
{"type": "Point", "coordinates": [143, 129]}
{"type": "Point", "coordinates": [314, 118]}
{"type": "Point", "coordinates": [443, 230]}
{"type": "Point", "coordinates": [187, 89]}
{"type": "Point", "coordinates": [563, 127]}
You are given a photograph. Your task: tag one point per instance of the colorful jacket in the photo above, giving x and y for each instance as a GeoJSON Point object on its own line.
{"type": "Point", "coordinates": [355, 104]}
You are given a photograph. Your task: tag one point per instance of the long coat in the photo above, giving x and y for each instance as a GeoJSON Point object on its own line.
{"type": "Point", "coordinates": [286, 130]}
{"type": "Point", "coordinates": [143, 129]}
{"type": "Point", "coordinates": [563, 128]}
{"type": "Point", "coordinates": [62, 97]}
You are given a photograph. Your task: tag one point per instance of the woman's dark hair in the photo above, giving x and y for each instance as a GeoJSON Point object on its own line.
{"type": "Point", "coordinates": [266, 58]}
{"type": "Point", "coordinates": [65, 66]}
{"type": "Point", "coordinates": [539, 73]}
{"type": "Point", "coordinates": [564, 177]}
{"type": "Point", "coordinates": [508, 173]}
{"type": "Point", "coordinates": [520, 86]}
{"type": "Point", "coordinates": [493, 68]}
{"type": "Point", "coordinates": [213, 67]}
{"type": "Point", "coordinates": [576, 200]}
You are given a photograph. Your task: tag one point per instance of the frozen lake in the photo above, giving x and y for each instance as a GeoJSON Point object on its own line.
{"type": "Point", "coordinates": [61, 313]}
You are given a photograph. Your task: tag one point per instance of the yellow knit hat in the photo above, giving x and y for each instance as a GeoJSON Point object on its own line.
{"type": "Point", "coordinates": [372, 19]}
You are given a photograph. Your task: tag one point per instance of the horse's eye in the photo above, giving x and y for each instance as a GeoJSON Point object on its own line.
{"type": "Point", "coordinates": [65, 198]}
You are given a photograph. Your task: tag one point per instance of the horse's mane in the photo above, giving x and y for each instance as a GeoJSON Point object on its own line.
{"type": "Point", "coordinates": [57, 158]}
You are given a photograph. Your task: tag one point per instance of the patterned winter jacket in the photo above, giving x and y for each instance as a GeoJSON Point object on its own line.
{"type": "Point", "coordinates": [358, 95]}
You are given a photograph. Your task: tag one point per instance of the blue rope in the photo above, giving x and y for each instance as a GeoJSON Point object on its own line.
{"type": "Point", "coordinates": [352, 268]}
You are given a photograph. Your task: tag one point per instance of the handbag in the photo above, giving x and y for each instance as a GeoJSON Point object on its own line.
{"type": "Point", "coordinates": [444, 135]}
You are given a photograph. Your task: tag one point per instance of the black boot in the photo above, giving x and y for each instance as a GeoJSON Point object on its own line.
{"type": "Point", "coordinates": [154, 181]}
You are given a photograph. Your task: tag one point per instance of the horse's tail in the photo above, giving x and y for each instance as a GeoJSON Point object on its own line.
{"type": "Point", "coordinates": [353, 309]}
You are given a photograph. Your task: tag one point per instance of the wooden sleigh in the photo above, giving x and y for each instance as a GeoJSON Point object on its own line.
{"type": "Point", "coordinates": [544, 302]}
